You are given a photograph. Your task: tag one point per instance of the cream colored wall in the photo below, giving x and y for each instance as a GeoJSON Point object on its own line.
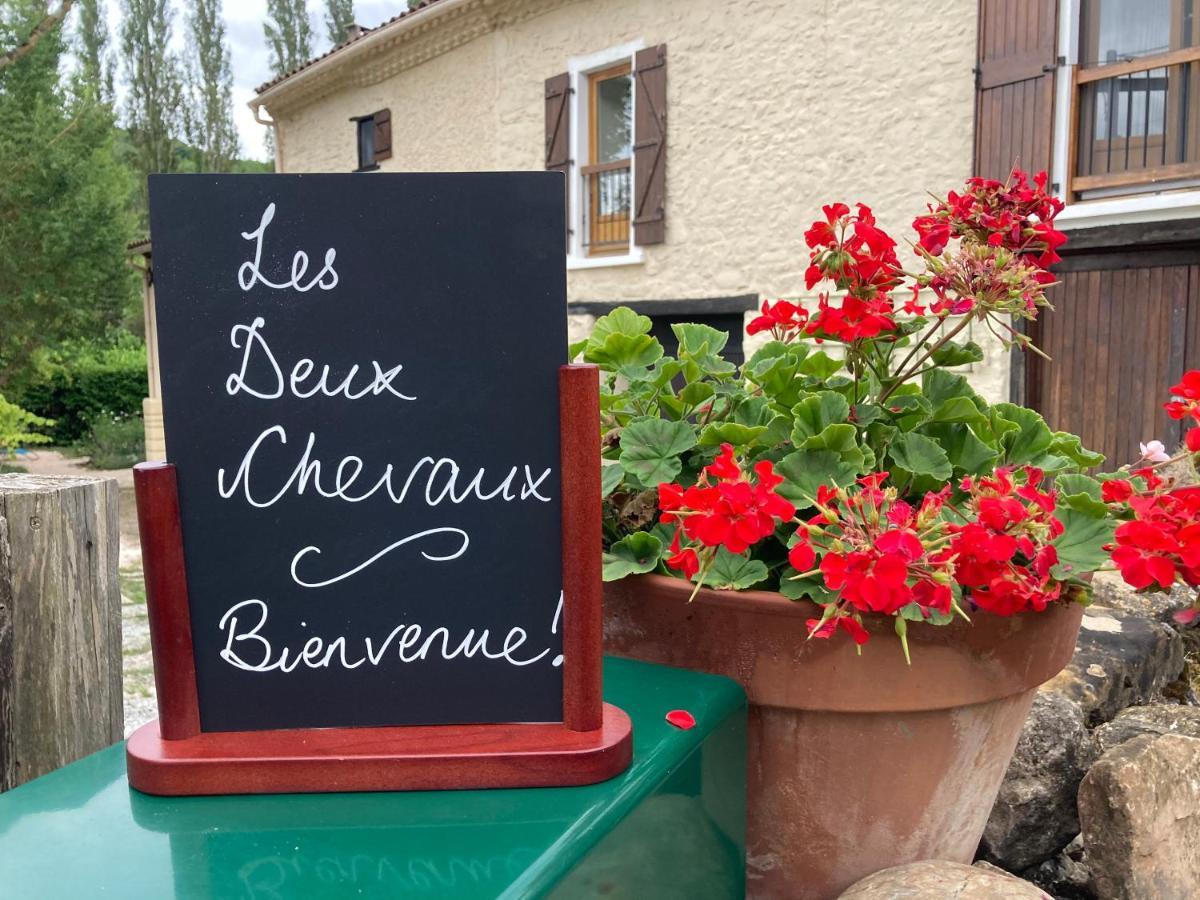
{"type": "Point", "coordinates": [774, 107]}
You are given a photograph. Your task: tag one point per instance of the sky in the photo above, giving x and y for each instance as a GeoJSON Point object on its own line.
{"type": "Point", "coordinates": [248, 50]}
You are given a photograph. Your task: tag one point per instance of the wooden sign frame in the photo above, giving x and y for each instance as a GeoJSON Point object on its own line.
{"type": "Point", "coordinates": [593, 743]}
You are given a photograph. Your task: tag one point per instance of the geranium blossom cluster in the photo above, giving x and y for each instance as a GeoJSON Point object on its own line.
{"type": "Point", "coordinates": [1003, 552]}
{"type": "Point", "coordinates": [1158, 544]}
{"type": "Point", "coordinates": [876, 553]}
{"type": "Point", "coordinates": [859, 259]}
{"type": "Point", "coordinates": [879, 554]}
{"type": "Point", "coordinates": [1017, 215]}
{"type": "Point", "coordinates": [728, 507]}
{"type": "Point", "coordinates": [1185, 403]}
{"type": "Point", "coordinates": [1006, 243]}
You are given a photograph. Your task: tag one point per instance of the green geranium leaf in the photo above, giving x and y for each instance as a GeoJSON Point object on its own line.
{"type": "Point", "coordinates": [966, 452]}
{"type": "Point", "coordinates": [816, 412]}
{"type": "Point", "coordinates": [573, 350]}
{"type": "Point", "coordinates": [954, 354]}
{"type": "Point", "coordinates": [730, 432]}
{"type": "Point", "coordinates": [734, 570]}
{"type": "Point", "coordinates": [938, 386]}
{"type": "Point", "coordinates": [820, 365]}
{"type": "Point", "coordinates": [1081, 494]}
{"type": "Point", "coordinates": [914, 613]}
{"type": "Point", "coordinates": [919, 455]}
{"type": "Point", "coordinates": [650, 449]}
{"type": "Point", "coordinates": [839, 438]}
{"type": "Point", "coordinates": [699, 339]}
{"type": "Point", "coordinates": [621, 320]}
{"type": "Point", "coordinates": [1030, 439]}
{"type": "Point", "coordinates": [958, 409]}
{"type": "Point", "coordinates": [610, 477]}
{"type": "Point", "coordinates": [1081, 545]}
{"type": "Point", "coordinates": [696, 393]}
{"type": "Point", "coordinates": [811, 588]}
{"type": "Point", "coordinates": [623, 351]}
{"type": "Point", "coordinates": [806, 470]}
{"type": "Point", "coordinates": [632, 555]}
{"type": "Point", "coordinates": [1070, 446]}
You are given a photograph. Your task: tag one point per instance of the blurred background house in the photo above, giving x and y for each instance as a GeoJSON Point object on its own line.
{"type": "Point", "coordinates": [700, 137]}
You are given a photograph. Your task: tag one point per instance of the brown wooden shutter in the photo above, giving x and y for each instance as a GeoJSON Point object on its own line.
{"type": "Point", "coordinates": [558, 133]}
{"type": "Point", "coordinates": [383, 134]}
{"type": "Point", "coordinates": [650, 146]}
{"type": "Point", "coordinates": [1014, 100]}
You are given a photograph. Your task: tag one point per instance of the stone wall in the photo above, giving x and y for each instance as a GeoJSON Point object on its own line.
{"type": "Point", "coordinates": [774, 108]}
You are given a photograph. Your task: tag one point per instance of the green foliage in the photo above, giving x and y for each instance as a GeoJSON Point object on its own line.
{"type": "Point", "coordinates": [64, 214]}
{"type": "Point", "coordinates": [339, 16]}
{"type": "Point", "coordinates": [154, 77]}
{"type": "Point", "coordinates": [208, 86]}
{"type": "Point", "coordinates": [288, 33]}
{"type": "Point", "coordinates": [632, 555]}
{"type": "Point", "coordinates": [822, 421]}
{"type": "Point", "coordinates": [19, 428]}
{"type": "Point", "coordinates": [76, 385]}
{"type": "Point", "coordinates": [114, 442]}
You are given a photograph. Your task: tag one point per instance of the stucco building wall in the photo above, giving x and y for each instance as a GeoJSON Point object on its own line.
{"type": "Point", "coordinates": [774, 107]}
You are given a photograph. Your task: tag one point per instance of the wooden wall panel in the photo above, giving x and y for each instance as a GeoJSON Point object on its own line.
{"type": "Point", "coordinates": [1120, 334]}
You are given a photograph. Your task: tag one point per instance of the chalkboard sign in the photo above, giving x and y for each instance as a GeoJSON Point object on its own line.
{"type": "Point", "coordinates": [359, 379]}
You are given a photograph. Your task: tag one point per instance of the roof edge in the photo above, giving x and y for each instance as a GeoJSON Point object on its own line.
{"type": "Point", "coordinates": [393, 29]}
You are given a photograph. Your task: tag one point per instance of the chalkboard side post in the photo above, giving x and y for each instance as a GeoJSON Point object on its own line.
{"type": "Point", "coordinates": [157, 495]}
{"type": "Point", "coordinates": [579, 418]}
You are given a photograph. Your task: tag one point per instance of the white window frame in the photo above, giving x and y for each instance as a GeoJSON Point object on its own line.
{"type": "Point", "coordinates": [579, 68]}
{"type": "Point", "coordinates": [1149, 205]}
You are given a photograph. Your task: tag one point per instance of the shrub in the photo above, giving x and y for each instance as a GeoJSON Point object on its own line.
{"type": "Point", "coordinates": [17, 428]}
{"type": "Point", "coordinates": [76, 384]}
{"type": "Point", "coordinates": [115, 442]}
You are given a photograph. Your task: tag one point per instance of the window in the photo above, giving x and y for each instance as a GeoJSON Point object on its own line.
{"type": "Point", "coordinates": [373, 135]}
{"type": "Point", "coordinates": [1137, 97]}
{"type": "Point", "coordinates": [606, 176]}
{"type": "Point", "coordinates": [606, 131]}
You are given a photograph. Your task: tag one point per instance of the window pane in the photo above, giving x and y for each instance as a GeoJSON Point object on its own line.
{"type": "Point", "coordinates": [1117, 30]}
{"type": "Point", "coordinates": [614, 118]}
{"type": "Point", "coordinates": [366, 142]}
{"type": "Point", "coordinates": [1143, 120]}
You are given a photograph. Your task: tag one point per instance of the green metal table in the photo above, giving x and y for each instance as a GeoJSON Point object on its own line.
{"type": "Point", "coordinates": [672, 826]}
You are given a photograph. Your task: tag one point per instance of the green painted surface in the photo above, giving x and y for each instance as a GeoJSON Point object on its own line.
{"type": "Point", "coordinates": [671, 826]}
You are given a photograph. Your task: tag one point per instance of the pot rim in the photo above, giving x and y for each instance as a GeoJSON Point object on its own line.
{"type": "Point", "coordinates": [763, 645]}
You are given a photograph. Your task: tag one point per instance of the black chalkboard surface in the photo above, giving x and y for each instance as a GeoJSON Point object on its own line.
{"type": "Point", "coordinates": [359, 378]}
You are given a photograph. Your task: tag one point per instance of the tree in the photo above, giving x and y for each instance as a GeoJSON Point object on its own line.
{"type": "Point", "coordinates": [95, 60]}
{"type": "Point", "coordinates": [35, 30]}
{"type": "Point", "coordinates": [339, 16]}
{"type": "Point", "coordinates": [153, 79]}
{"type": "Point", "coordinates": [63, 217]}
{"type": "Point", "coordinates": [208, 110]}
{"type": "Point", "coordinates": [288, 33]}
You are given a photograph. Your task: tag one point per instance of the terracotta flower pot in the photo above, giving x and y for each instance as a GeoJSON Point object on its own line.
{"type": "Point", "coordinates": [856, 763]}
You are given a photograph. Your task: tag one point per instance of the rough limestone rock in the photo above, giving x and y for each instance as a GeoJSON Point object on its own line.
{"type": "Point", "coordinates": [1064, 875]}
{"type": "Point", "coordinates": [1120, 660]}
{"type": "Point", "coordinates": [1158, 718]}
{"type": "Point", "coordinates": [1035, 813]}
{"type": "Point", "coordinates": [1139, 806]}
{"type": "Point", "coordinates": [1109, 590]}
{"type": "Point", "coordinates": [935, 879]}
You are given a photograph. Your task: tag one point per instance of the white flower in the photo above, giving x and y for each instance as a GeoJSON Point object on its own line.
{"type": "Point", "coordinates": [1154, 451]}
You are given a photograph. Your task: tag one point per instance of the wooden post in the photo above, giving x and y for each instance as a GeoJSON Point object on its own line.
{"type": "Point", "coordinates": [583, 624]}
{"type": "Point", "coordinates": [60, 623]}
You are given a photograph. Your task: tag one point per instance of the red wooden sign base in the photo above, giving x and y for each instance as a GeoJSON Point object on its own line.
{"type": "Point", "coordinates": [593, 742]}
{"type": "Point", "coordinates": [435, 757]}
